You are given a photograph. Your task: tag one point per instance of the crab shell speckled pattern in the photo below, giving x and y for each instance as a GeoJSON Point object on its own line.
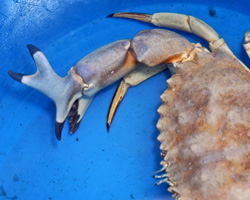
{"type": "Point", "coordinates": [205, 128]}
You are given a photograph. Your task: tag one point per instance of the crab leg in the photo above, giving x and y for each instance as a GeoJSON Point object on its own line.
{"type": "Point", "coordinates": [140, 74]}
{"type": "Point", "coordinates": [246, 44]}
{"type": "Point", "coordinates": [180, 22]}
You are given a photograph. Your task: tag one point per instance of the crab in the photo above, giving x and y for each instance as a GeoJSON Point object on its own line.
{"type": "Point", "coordinates": [205, 113]}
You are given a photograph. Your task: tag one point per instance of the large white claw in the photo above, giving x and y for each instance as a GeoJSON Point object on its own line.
{"type": "Point", "coordinates": [62, 90]}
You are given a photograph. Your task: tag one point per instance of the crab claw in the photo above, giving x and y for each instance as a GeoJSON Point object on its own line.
{"type": "Point", "coordinates": [64, 91]}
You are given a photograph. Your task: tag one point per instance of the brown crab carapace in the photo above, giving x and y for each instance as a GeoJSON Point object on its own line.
{"type": "Point", "coordinates": [205, 118]}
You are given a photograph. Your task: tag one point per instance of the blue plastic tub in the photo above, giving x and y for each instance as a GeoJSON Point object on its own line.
{"type": "Point", "coordinates": [91, 164]}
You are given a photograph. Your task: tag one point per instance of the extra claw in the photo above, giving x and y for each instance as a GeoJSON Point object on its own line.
{"type": "Point", "coordinates": [74, 117]}
{"type": "Point", "coordinates": [88, 76]}
{"type": "Point", "coordinates": [62, 90]}
{"type": "Point", "coordinates": [77, 111]}
{"type": "Point", "coordinates": [74, 127]}
{"type": "Point", "coordinates": [73, 112]}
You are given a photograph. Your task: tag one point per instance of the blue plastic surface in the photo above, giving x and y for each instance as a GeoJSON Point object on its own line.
{"type": "Point", "coordinates": [91, 164]}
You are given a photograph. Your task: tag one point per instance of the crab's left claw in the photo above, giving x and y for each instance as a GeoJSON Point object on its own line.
{"type": "Point", "coordinates": [63, 91]}
{"type": "Point", "coordinates": [73, 93]}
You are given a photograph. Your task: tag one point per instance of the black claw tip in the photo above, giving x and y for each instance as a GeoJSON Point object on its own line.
{"type": "Point", "coordinates": [108, 126]}
{"type": "Point", "coordinates": [59, 127]}
{"type": "Point", "coordinates": [32, 49]}
{"type": "Point", "coordinates": [111, 15]}
{"type": "Point", "coordinates": [16, 76]}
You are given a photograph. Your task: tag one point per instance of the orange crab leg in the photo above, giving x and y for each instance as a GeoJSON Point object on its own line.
{"type": "Point", "coordinates": [140, 74]}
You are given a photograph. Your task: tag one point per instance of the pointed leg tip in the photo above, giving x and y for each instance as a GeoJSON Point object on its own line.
{"type": "Point", "coordinates": [108, 126]}
{"type": "Point", "coordinates": [132, 15]}
{"type": "Point", "coordinates": [58, 129]}
{"type": "Point", "coordinates": [32, 49]}
{"type": "Point", "coordinates": [111, 15]}
{"type": "Point", "coordinates": [16, 76]}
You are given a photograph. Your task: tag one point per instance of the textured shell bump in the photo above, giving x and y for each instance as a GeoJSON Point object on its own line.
{"type": "Point", "coordinates": [205, 128]}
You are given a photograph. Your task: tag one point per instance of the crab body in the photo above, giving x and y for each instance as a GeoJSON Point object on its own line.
{"type": "Point", "coordinates": [205, 128]}
{"type": "Point", "coordinates": [205, 115]}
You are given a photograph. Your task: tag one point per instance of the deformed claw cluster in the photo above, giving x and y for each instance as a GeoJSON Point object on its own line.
{"type": "Point", "coordinates": [73, 117]}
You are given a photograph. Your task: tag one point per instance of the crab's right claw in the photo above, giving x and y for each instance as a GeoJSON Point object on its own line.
{"type": "Point", "coordinates": [63, 91]}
